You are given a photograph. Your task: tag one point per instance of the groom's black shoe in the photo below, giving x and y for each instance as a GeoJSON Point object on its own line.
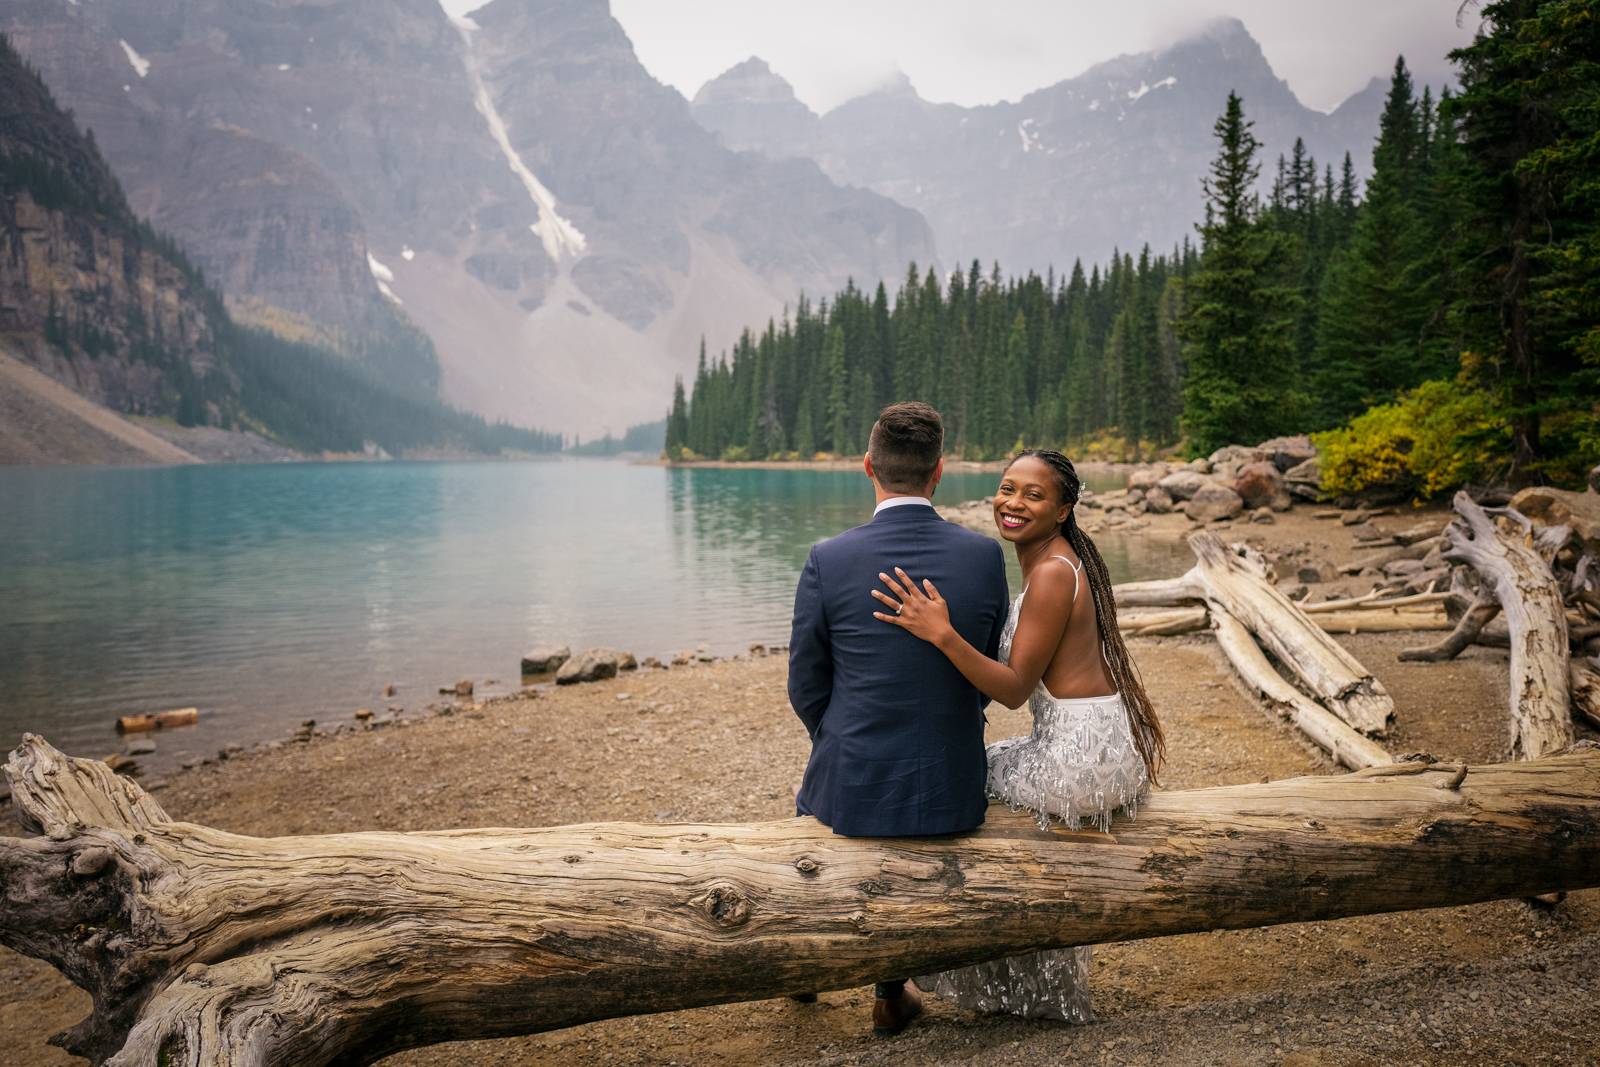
{"type": "Point", "coordinates": [894, 1008]}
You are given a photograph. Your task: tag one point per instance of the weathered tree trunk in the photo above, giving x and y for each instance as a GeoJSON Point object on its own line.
{"type": "Point", "coordinates": [1322, 667]}
{"type": "Point", "coordinates": [1339, 740]}
{"type": "Point", "coordinates": [1520, 581]}
{"type": "Point", "coordinates": [1379, 622]}
{"type": "Point", "coordinates": [1466, 631]}
{"type": "Point", "coordinates": [1584, 676]}
{"type": "Point", "coordinates": [1162, 622]}
{"type": "Point", "coordinates": [1182, 591]}
{"type": "Point", "coordinates": [208, 948]}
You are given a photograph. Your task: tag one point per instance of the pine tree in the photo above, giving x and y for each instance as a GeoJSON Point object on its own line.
{"type": "Point", "coordinates": [677, 420]}
{"type": "Point", "coordinates": [1241, 378]}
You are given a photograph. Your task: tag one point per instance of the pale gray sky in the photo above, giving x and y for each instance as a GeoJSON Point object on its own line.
{"type": "Point", "coordinates": [969, 52]}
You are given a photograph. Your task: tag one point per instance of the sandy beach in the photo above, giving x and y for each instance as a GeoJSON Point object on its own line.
{"type": "Point", "coordinates": [1508, 982]}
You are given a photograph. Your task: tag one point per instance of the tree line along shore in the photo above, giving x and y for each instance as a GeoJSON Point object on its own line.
{"type": "Point", "coordinates": [1433, 329]}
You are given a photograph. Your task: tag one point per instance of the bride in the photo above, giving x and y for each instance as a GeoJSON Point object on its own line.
{"type": "Point", "coordinates": [1095, 745]}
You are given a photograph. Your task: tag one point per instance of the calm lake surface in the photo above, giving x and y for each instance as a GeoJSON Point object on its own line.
{"type": "Point", "coordinates": [270, 594]}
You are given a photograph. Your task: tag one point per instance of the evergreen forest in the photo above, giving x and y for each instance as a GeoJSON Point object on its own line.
{"type": "Point", "coordinates": [1438, 325]}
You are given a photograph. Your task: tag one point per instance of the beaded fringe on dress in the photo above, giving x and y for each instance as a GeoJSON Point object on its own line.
{"type": "Point", "coordinates": [1078, 765]}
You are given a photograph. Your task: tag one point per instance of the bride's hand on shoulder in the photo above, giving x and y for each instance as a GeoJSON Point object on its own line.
{"type": "Point", "coordinates": [919, 609]}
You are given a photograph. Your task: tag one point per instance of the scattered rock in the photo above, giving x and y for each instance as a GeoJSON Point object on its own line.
{"type": "Point", "coordinates": [140, 747]}
{"type": "Point", "coordinates": [1263, 515]}
{"type": "Point", "coordinates": [1213, 503]}
{"type": "Point", "coordinates": [1304, 480]}
{"type": "Point", "coordinates": [757, 648]}
{"type": "Point", "coordinates": [542, 659]}
{"type": "Point", "coordinates": [363, 714]}
{"type": "Point", "coordinates": [594, 665]}
{"type": "Point", "coordinates": [463, 688]}
{"type": "Point", "coordinates": [652, 663]}
{"type": "Point", "coordinates": [705, 657]}
{"type": "Point", "coordinates": [1281, 501]}
{"type": "Point", "coordinates": [1257, 483]}
{"type": "Point", "coordinates": [1557, 507]}
{"type": "Point", "coordinates": [1157, 500]}
{"type": "Point", "coordinates": [1289, 452]}
{"type": "Point", "coordinates": [390, 690]}
{"type": "Point", "coordinates": [626, 662]}
{"type": "Point", "coordinates": [682, 659]}
{"type": "Point", "coordinates": [1199, 466]}
{"type": "Point", "coordinates": [1184, 484]}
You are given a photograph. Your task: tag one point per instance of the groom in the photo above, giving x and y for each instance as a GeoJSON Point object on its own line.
{"type": "Point", "coordinates": [896, 731]}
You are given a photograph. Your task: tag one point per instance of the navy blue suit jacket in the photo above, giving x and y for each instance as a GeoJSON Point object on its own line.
{"type": "Point", "coordinates": [896, 731]}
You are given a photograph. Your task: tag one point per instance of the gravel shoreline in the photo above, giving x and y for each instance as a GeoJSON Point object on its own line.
{"type": "Point", "coordinates": [1501, 983]}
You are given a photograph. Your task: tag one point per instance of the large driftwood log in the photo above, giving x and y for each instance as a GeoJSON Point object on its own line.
{"type": "Point", "coordinates": [1511, 570]}
{"type": "Point", "coordinates": [1338, 739]}
{"type": "Point", "coordinates": [208, 948]}
{"type": "Point", "coordinates": [1319, 664]}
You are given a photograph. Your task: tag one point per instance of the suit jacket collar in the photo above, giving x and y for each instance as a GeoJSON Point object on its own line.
{"type": "Point", "coordinates": [907, 513]}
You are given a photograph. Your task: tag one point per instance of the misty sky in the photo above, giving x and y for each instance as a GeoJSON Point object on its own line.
{"type": "Point", "coordinates": [969, 52]}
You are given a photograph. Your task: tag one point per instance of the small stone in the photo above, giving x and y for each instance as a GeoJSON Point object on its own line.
{"type": "Point", "coordinates": [706, 657]}
{"type": "Point", "coordinates": [141, 747]}
{"type": "Point", "coordinates": [623, 697]}
{"type": "Point", "coordinates": [390, 690]}
{"type": "Point", "coordinates": [545, 658]}
{"type": "Point", "coordinates": [1263, 515]}
{"type": "Point", "coordinates": [592, 665]}
{"type": "Point", "coordinates": [463, 688]}
{"type": "Point", "coordinates": [363, 714]}
{"type": "Point", "coordinates": [757, 648]}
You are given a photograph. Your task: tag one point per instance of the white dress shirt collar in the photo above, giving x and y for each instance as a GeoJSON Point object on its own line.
{"type": "Point", "coordinates": [896, 501]}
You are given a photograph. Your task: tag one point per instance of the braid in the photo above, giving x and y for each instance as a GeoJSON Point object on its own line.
{"type": "Point", "coordinates": [1146, 729]}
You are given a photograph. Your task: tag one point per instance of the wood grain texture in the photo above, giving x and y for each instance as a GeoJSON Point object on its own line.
{"type": "Point", "coordinates": [1512, 571]}
{"type": "Point", "coordinates": [1315, 661]}
{"type": "Point", "coordinates": [1346, 745]}
{"type": "Point", "coordinates": [203, 947]}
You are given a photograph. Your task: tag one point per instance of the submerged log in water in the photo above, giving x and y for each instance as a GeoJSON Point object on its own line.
{"type": "Point", "coordinates": [205, 947]}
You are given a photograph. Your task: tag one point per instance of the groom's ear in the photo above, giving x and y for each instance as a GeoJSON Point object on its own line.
{"type": "Point", "coordinates": [938, 473]}
{"type": "Point", "coordinates": [866, 465]}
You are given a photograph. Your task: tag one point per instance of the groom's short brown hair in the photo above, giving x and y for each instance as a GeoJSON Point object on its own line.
{"type": "Point", "coordinates": [905, 446]}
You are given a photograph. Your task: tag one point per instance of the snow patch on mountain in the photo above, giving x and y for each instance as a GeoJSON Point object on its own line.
{"type": "Point", "coordinates": [140, 65]}
{"type": "Point", "coordinates": [1029, 135]}
{"type": "Point", "coordinates": [560, 237]}
{"type": "Point", "coordinates": [383, 276]}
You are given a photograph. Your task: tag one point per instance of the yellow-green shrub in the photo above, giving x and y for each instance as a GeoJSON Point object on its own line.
{"type": "Point", "coordinates": [1432, 439]}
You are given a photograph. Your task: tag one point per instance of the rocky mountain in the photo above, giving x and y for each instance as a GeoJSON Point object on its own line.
{"type": "Point", "coordinates": [88, 293]}
{"type": "Point", "coordinates": [514, 183]}
{"type": "Point", "coordinates": [1109, 159]}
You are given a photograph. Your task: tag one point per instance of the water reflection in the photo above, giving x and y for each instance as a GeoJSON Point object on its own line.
{"type": "Point", "coordinates": [269, 594]}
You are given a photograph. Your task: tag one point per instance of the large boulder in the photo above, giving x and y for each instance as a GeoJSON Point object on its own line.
{"type": "Point", "coordinates": [541, 659]}
{"type": "Point", "coordinates": [1304, 480]}
{"type": "Point", "coordinates": [1145, 478]}
{"type": "Point", "coordinates": [1287, 452]}
{"type": "Point", "coordinates": [1183, 484]}
{"type": "Point", "coordinates": [1213, 502]}
{"type": "Point", "coordinates": [1257, 483]}
{"type": "Point", "coordinates": [1158, 500]}
{"type": "Point", "coordinates": [592, 665]}
{"type": "Point", "coordinates": [1559, 507]}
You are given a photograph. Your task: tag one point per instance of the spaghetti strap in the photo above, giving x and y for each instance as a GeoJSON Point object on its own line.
{"type": "Point", "coordinates": [1077, 571]}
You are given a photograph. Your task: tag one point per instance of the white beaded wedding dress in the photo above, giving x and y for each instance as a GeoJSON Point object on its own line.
{"type": "Point", "coordinates": [1079, 765]}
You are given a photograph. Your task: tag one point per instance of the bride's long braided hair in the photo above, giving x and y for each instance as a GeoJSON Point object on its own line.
{"type": "Point", "coordinates": [1147, 736]}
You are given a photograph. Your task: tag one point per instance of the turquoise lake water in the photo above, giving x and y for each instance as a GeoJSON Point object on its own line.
{"type": "Point", "coordinates": [270, 594]}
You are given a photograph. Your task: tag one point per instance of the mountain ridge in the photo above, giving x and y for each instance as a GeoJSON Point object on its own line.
{"type": "Point", "coordinates": [1107, 159]}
